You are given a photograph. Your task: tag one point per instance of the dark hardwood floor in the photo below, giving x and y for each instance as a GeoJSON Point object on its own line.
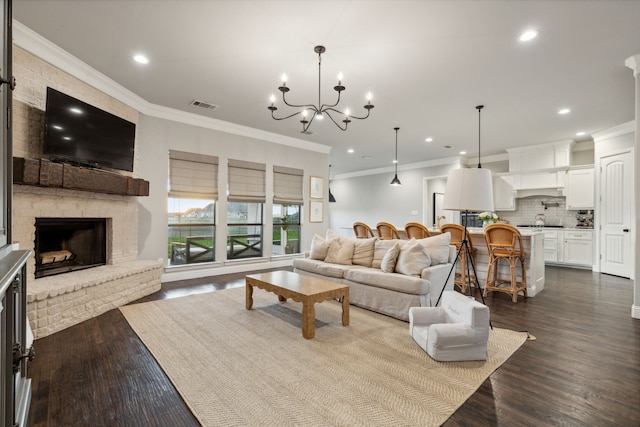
{"type": "Point", "coordinates": [583, 369]}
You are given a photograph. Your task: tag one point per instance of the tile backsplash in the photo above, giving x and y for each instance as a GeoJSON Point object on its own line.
{"type": "Point", "coordinates": [529, 207]}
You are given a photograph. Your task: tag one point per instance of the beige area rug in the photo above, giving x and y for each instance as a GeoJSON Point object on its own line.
{"type": "Point", "coordinates": [235, 367]}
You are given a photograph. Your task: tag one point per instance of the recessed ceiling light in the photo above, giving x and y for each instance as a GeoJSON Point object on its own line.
{"type": "Point", "coordinates": [528, 35]}
{"type": "Point", "coordinates": [463, 152]}
{"type": "Point", "coordinates": [350, 150]}
{"type": "Point", "coordinates": [141, 59]}
{"type": "Point", "coordinates": [564, 111]}
{"type": "Point", "coordinates": [429, 139]}
{"type": "Point", "coordinates": [395, 161]}
{"type": "Point", "coordinates": [581, 133]}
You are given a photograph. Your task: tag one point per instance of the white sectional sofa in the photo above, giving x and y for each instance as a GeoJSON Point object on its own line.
{"type": "Point", "coordinates": [386, 276]}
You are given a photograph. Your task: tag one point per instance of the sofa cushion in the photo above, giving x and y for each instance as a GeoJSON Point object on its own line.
{"type": "Point", "coordinates": [413, 258]}
{"type": "Point", "coordinates": [363, 252]}
{"type": "Point", "coordinates": [319, 248]}
{"type": "Point", "coordinates": [381, 248]}
{"type": "Point", "coordinates": [320, 267]}
{"type": "Point", "coordinates": [340, 251]}
{"type": "Point", "coordinates": [388, 263]}
{"type": "Point", "coordinates": [393, 281]}
{"type": "Point", "coordinates": [438, 247]}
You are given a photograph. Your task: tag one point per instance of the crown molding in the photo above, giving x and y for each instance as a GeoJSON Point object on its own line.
{"type": "Point", "coordinates": [453, 161]}
{"type": "Point", "coordinates": [188, 118]}
{"type": "Point", "coordinates": [622, 129]}
{"type": "Point", "coordinates": [33, 42]}
{"type": "Point", "coordinates": [39, 46]}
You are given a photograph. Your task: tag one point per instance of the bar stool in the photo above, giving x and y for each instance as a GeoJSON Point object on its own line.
{"type": "Point", "coordinates": [462, 279]}
{"type": "Point", "coordinates": [504, 242]}
{"type": "Point", "coordinates": [362, 230]}
{"type": "Point", "coordinates": [416, 230]}
{"type": "Point", "coordinates": [387, 231]}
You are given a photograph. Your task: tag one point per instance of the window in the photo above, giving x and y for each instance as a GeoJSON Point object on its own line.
{"type": "Point", "coordinates": [286, 229]}
{"type": "Point", "coordinates": [244, 230]}
{"type": "Point", "coordinates": [287, 201]}
{"type": "Point", "coordinates": [193, 190]}
{"type": "Point", "coordinates": [244, 209]}
{"type": "Point", "coordinates": [191, 231]}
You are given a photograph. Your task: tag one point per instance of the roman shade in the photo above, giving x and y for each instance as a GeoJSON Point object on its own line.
{"type": "Point", "coordinates": [246, 181]}
{"type": "Point", "coordinates": [287, 185]}
{"type": "Point", "coordinates": [193, 176]}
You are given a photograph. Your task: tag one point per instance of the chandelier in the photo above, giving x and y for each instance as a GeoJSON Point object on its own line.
{"type": "Point", "coordinates": [309, 112]}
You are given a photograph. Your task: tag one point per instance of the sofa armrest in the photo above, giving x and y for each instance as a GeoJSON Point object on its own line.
{"type": "Point", "coordinates": [424, 316]}
{"type": "Point", "coordinates": [451, 334]}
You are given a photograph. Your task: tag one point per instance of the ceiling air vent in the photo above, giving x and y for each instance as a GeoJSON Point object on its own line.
{"type": "Point", "coordinates": [202, 104]}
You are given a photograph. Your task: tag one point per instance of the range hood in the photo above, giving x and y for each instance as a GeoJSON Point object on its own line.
{"type": "Point", "coordinates": [546, 192]}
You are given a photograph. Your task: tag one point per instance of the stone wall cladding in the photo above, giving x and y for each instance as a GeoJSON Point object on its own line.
{"type": "Point", "coordinates": [57, 302]}
{"type": "Point", "coordinates": [65, 300]}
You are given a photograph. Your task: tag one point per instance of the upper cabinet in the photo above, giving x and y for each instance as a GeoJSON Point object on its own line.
{"type": "Point", "coordinates": [580, 189]}
{"type": "Point", "coordinates": [556, 155]}
{"type": "Point", "coordinates": [504, 195]}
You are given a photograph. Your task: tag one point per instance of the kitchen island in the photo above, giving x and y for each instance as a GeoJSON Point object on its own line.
{"type": "Point", "coordinates": [533, 244]}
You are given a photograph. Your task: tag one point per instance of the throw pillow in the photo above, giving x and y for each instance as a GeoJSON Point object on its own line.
{"type": "Point", "coordinates": [413, 257]}
{"type": "Point", "coordinates": [389, 261]}
{"type": "Point", "coordinates": [363, 252]}
{"type": "Point", "coordinates": [438, 247]}
{"type": "Point", "coordinates": [319, 248]}
{"type": "Point", "coordinates": [332, 234]}
{"type": "Point", "coordinates": [340, 251]}
{"type": "Point", "coordinates": [381, 248]}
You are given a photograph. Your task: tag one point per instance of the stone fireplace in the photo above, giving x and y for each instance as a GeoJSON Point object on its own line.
{"type": "Point", "coordinates": [63, 245]}
{"type": "Point", "coordinates": [57, 301]}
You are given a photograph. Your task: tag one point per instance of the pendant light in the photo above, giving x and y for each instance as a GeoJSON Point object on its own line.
{"type": "Point", "coordinates": [331, 198]}
{"type": "Point", "coordinates": [395, 181]}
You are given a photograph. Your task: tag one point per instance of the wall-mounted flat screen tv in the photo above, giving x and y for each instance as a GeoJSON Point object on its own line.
{"type": "Point", "coordinates": [80, 133]}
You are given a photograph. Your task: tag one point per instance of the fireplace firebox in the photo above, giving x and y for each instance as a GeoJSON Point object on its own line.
{"type": "Point", "coordinates": [63, 245]}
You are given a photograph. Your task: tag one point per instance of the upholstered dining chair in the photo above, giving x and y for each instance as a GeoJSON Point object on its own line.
{"type": "Point", "coordinates": [504, 242]}
{"type": "Point", "coordinates": [465, 272]}
{"type": "Point", "coordinates": [362, 230]}
{"type": "Point", "coordinates": [416, 230]}
{"type": "Point", "coordinates": [387, 231]}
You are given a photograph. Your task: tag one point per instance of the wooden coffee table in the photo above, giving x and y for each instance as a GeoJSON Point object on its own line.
{"type": "Point", "coordinates": [305, 289]}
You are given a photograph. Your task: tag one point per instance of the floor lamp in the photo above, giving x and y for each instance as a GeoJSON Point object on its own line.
{"type": "Point", "coordinates": [467, 190]}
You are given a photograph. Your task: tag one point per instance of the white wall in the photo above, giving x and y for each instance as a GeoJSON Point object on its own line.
{"type": "Point", "coordinates": [157, 136]}
{"type": "Point", "coordinates": [370, 198]}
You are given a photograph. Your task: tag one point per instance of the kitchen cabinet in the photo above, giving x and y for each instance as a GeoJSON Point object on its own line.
{"type": "Point", "coordinates": [541, 156]}
{"type": "Point", "coordinates": [568, 247]}
{"type": "Point", "coordinates": [550, 244]}
{"type": "Point", "coordinates": [580, 189]}
{"type": "Point", "coordinates": [577, 248]}
{"type": "Point", "coordinates": [504, 196]}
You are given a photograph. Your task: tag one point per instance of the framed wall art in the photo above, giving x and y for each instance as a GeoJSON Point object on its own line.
{"type": "Point", "coordinates": [316, 211]}
{"type": "Point", "coordinates": [316, 190]}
